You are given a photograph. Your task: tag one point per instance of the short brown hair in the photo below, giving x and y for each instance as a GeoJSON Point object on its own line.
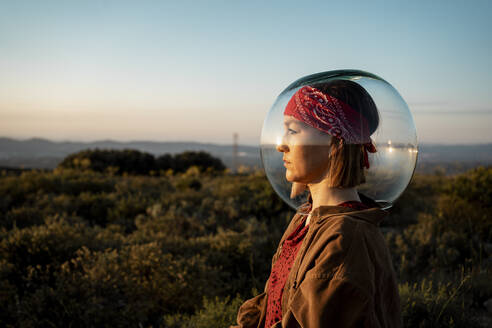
{"type": "Point", "coordinates": [345, 166]}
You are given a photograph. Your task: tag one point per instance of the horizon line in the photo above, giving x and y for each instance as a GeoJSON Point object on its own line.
{"type": "Point", "coordinates": [211, 143]}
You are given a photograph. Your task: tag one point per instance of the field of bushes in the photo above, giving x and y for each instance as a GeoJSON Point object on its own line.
{"type": "Point", "coordinates": [88, 248]}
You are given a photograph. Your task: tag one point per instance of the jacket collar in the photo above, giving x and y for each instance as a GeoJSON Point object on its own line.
{"type": "Point", "coordinates": [375, 214]}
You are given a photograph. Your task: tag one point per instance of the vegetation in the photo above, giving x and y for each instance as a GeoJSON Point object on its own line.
{"type": "Point", "coordinates": [82, 247]}
{"type": "Point", "coordinates": [129, 161]}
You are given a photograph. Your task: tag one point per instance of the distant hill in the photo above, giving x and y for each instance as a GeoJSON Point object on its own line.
{"type": "Point", "coordinates": [42, 153]}
{"type": "Point", "coordinates": [452, 159]}
{"type": "Point", "coordinates": [434, 153]}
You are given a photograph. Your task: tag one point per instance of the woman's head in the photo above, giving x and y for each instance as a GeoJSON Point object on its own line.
{"type": "Point", "coordinates": [327, 133]}
{"type": "Point", "coordinates": [305, 151]}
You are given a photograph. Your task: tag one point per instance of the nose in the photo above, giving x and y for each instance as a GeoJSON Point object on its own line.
{"type": "Point", "coordinates": [282, 144]}
{"type": "Point", "coordinates": [283, 148]}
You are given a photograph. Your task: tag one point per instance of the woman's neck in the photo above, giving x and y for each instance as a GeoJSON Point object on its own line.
{"type": "Point", "coordinates": [323, 195]}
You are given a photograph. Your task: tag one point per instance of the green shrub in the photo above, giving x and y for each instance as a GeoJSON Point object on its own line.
{"type": "Point", "coordinates": [23, 216]}
{"type": "Point", "coordinates": [82, 248]}
{"type": "Point", "coordinates": [474, 186]}
{"type": "Point", "coordinates": [215, 313]}
{"type": "Point", "coordinates": [134, 162]}
{"type": "Point", "coordinates": [454, 234]}
{"type": "Point", "coordinates": [425, 304]}
{"type": "Point", "coordinates": [34, 253]}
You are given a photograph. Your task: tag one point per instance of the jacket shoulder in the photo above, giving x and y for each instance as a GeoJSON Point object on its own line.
{"type": "Point", "coordinates": [331, 244]}
{"type": "Point", "coordinates": [348, 228]}
{"type": "Point", "coordinates": [347, 248]}
{"type": "Point", "coordinates": [340, 230]}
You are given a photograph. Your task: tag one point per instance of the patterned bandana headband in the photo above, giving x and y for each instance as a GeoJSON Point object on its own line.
{"type": "Point", "coordinates": [330, 115]}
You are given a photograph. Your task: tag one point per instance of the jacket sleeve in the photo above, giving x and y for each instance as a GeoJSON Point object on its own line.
{"type": "Point", "coordinates": [323, 302]}
{"type": "Point", "coordinates": [249, 312]}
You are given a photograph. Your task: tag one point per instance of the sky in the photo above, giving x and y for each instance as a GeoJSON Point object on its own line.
{"type": "Point", "coordinates": [203, 70]}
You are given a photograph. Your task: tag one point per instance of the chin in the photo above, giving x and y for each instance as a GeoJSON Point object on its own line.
{"type": "Point", "coordinates": [293, 178]}
{"type": "Point", "coordinates": [289, 178]}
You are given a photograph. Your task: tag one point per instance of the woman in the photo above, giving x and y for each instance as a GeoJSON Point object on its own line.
{"type": "Point", "coordinates": [332, 267]}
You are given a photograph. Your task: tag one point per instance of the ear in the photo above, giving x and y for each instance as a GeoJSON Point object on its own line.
{"type": "Point", "coordinates": [297, 189]}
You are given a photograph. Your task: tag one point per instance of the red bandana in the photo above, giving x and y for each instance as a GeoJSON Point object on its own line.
{"type": "Point", "coordinates": [332, 116]}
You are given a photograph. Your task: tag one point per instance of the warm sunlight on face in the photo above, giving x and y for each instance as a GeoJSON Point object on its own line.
{"type": "Point", "coordinates": [306, 151]}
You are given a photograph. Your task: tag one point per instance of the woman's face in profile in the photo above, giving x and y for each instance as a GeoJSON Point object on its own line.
{"type": "Point", "coordinates": [306, 151]}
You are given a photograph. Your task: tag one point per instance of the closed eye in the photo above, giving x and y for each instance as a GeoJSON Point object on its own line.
{"type": "Point", "coordinates": [290, 131]}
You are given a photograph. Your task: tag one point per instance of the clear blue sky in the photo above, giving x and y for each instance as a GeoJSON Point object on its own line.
{"type": "Point", "coordinates": [201, 70]}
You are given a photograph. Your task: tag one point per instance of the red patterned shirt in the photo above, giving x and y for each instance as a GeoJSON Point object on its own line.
{"type": "Point", "coordinates": [282, 266]}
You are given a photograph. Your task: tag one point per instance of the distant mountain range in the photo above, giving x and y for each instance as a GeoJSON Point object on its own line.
{"type": "Point", "coordinates": [46, 154]}
{"type": "Point", "coordinates": [42, 153]}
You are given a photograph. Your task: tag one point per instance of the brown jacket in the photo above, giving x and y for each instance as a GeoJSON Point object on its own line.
{"type": "Point", "coordinates": [342, 276]}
